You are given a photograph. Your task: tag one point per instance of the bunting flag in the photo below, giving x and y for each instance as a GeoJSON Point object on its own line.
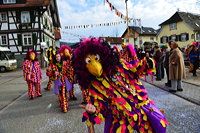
{"type": "Point", "coordinates": [72, 34]}
{"type": "Point", "coordinates": [95, 25]}
{"type": "Point", "coordinates": [102, 24]}
{"type": "Point", "coordinates": [117, 12]}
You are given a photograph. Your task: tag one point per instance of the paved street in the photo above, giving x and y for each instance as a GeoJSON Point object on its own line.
{"type": "Point", "coordinates": [18, 114]}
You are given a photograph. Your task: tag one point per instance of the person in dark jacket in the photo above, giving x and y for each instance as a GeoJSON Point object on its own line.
{"type": "Point", "coordinates": [166, 65]}
{"type": "Point", "coordinates": [158, 58]}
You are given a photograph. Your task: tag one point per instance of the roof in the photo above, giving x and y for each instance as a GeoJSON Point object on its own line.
{"type": "Point", "coordinates": [72, 45]}
{"type": "Point", "coordinates": [28, 3]}
{"type": "Point", "coordinates": [143, 30]}
{"type": "Point", "coordinates": [193, 20]}
{"type": "Point", "coordinates": [113, 40]}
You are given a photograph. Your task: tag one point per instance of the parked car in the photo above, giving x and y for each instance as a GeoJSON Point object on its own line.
{"type": "Point", "coordinates": [7, 60]}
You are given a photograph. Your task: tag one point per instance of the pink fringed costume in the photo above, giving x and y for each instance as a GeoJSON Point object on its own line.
{"type": "Point", "coordinates": [32, 75]}
{"type": "Point", "coordinates": [66, 52]}
{"type": "Point", "coordinates": [119, 98]}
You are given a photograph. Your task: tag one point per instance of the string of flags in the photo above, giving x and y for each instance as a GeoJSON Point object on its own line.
{"type": "Point", "coordinates": [94, 25]}
{"type": "Point", "coordinates": [100, 25]}
{"type": "Point", "coordinates": [117, 12]}
{"type": "Point", "coordinates": [72, 34]}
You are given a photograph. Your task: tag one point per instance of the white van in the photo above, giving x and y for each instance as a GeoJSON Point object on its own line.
{"type": "Point", "coordinates": [7, 60]}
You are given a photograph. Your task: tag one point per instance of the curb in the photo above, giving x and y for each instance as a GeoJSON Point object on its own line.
{"type": "Point", "coordinates": [191, 83]}
{"type": "Point", "coordinates": [179, 95]}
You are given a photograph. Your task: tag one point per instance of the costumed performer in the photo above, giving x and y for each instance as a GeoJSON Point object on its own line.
{"type": "Point", "coordinates": [50, 55]}
{"type": "Point", "coordinates": [66, 52]}
{"type": "Point", "coordinates": [115, 94]}
{"type": "Point", "coordinates": [32, 74]}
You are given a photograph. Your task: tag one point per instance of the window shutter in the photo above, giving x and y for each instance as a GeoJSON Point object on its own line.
{"type": "Point", "coordinates": [34, 38]}
{"type": "Point", "coordinates": [18, 16]}
{"type": "Point", "coordinates": [161, 40]}
{"type": "Point", "coordinates": [179, 37]}
{"type": "Point", "coordinates": [170, 38]}
{"type": "Point", "coordinates": [32, 16]}
{"type": "Point", "coordinates": [187, 37]}
{"type": "Point", "coordinates": [19, 39]}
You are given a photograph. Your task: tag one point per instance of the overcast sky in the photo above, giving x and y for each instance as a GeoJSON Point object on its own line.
{"type": "Point", "coordinates": [83, 12]}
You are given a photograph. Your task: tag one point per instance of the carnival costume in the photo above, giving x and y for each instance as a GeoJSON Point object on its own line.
{"type": "Point", "coordinates": [66, 52]}
{"type": "Point", "coordinates": [32, 74]}
{"type": "Point", "coordinates": [60, 72]}
{"type": "Point", "coordinates": [50, 55]}
{"type": "Point", "coordinates": [116, 94]}
{"type": "Point", "coordinates": [129, 55]}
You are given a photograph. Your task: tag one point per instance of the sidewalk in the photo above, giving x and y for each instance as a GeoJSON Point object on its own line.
{"type": "Point", "coordinates": [191, 87]}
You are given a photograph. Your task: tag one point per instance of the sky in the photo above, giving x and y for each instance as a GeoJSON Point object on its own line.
{"type": "Point", "coordinates": [87, 12]}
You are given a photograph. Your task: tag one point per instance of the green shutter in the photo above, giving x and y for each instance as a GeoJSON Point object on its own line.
{"type": "Point", "coordinates": [18, 15]}
{"type": "Point", "coordinates": [32, 16]}
{"type": "Point", "coordinates": [187, 36]}
{"type": "Point", "coordinates": [34, 38]}
{"type": "Point", "coordinates": [19, 39]}
{"type": "Point", "coordinates": [161, 40]}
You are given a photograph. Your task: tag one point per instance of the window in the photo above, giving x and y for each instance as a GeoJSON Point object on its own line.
{"type": "Point", "coordinates": [198, 36]}
{"type": "Point", "coordinates": [2, 56]}
{"type": "Point", "coordinates": [3, 39]}
{"type": "Point", "coordinates": [9, 1]}
{"type": "Point", "coordinates": [27, 39]}
{"type": "Point", "coordinates": [3, 17]}
{"type": "Point", "coordinates": [183, 37]}
{"type": "Point", "coordinates": [172, 26]}
{"type": "Point", "coordinates": [173, 38]}
{"type": "Point", "coordinates": [164, 40]}
{"type": "Point", "coordinates": [152, 38]}
{"type": "Point", "coordinates": [25, 17]}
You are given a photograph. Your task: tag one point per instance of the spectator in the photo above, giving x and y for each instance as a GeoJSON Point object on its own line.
{"type": "Point", "coordinates": [163, 50]}
{"type": "Point", "coordinates": [158, 58]}
{"type": "Point", "coordinates": [166, 65]}
{"type": "Point", "coordinates": [176, 68]}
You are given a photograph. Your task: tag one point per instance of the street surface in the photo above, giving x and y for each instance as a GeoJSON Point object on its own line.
{"type": "Point", "coordinates": [18, 114]}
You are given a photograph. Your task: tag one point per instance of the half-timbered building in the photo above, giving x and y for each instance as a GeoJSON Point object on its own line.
{"type": "Point", "coordinates": [28, 24]}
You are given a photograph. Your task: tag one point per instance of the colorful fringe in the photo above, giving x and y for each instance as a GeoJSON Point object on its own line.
{"type": "Point", "coordinates": [32, 75]}
{"type": "Point", "coordinates": [125, 100]}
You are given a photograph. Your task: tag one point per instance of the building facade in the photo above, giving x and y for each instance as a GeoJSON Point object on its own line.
{"type": "Point", "coordinates": [28, 24]}
{"type": "Point", "coordinates": [139, 35]}
{"type": "Point", "coordinates": [182, 27]}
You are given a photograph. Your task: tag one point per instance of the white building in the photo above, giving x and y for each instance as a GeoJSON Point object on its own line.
{"type": "Point", "coordinates": [25, 24]}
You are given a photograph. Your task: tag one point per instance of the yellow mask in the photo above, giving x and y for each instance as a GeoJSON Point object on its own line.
{"type": "Point", "coordinates": [93, 65]}
{"type": "Point", "coordinates": [66, 52]}
{"type": "Point", "coordinates": [32, 56]}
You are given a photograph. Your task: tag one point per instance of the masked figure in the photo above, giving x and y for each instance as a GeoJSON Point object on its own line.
{"type": "Point", "coordinates": [115, 94]}
{"type": "Point", "coordinates": [50, 55]}
{"type": "Point", "coordinates": [32, 74]}
{"type": "Point", "coordinates": [66, 52]}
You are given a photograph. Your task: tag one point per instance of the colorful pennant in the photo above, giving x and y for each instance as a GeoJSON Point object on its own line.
{"type": "Point", "coordinates": [117, 12]}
